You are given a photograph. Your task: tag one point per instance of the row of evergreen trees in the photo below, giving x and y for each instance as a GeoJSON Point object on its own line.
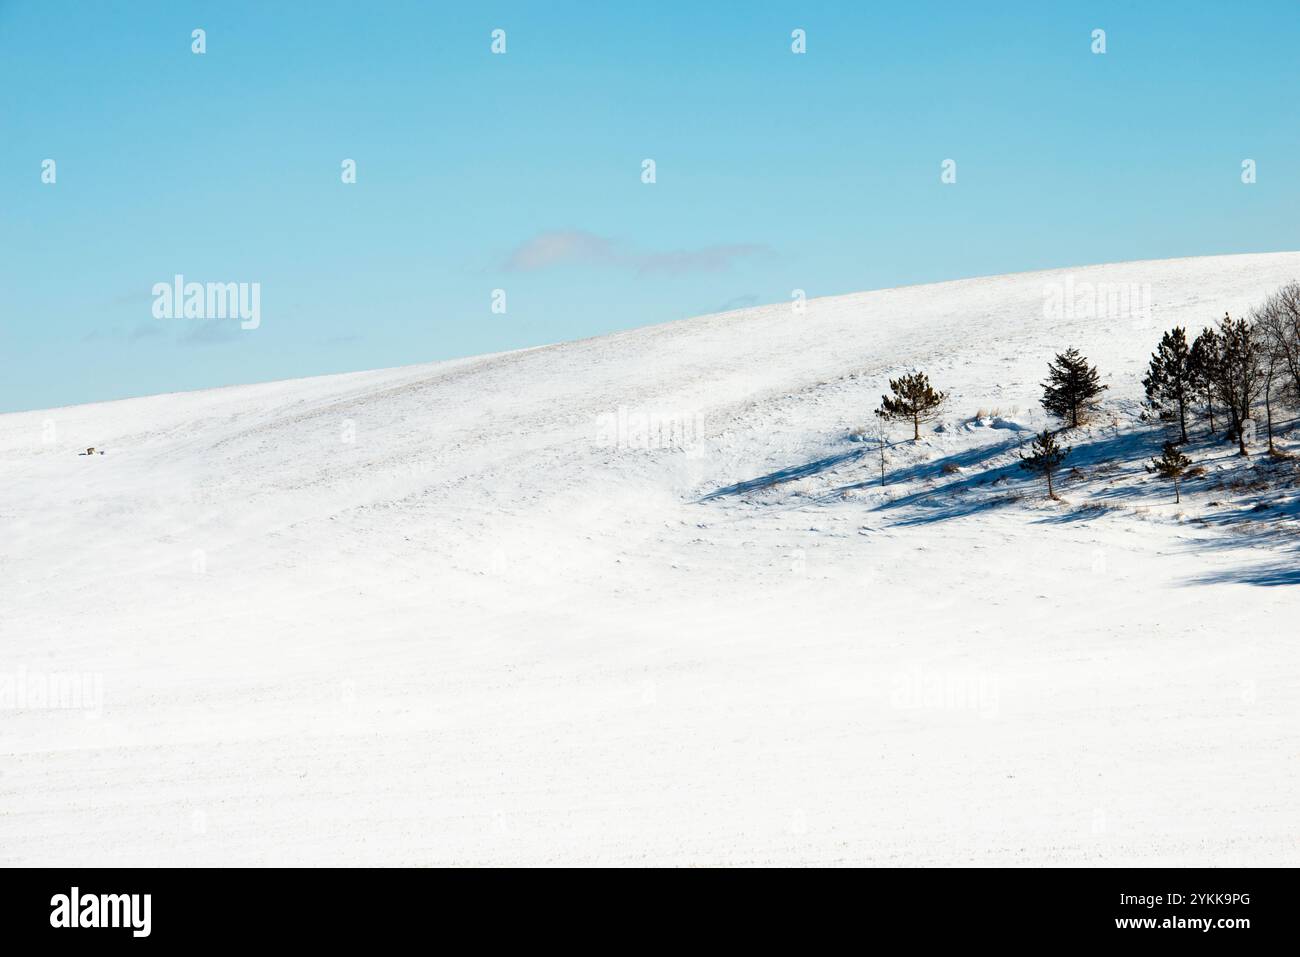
{"type": "Point", "coordinates": [1232, 367]}
{"type": "Point", "coordinates": [1070, 393]}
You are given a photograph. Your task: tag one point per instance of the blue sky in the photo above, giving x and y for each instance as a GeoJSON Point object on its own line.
{"type": "Point", "coordinates": [522, 172]}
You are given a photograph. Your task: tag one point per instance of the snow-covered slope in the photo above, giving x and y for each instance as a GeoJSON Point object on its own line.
{"type": "Point", "coordinates": [640, 599]}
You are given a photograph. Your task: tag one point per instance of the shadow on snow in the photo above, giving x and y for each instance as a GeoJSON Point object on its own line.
{"type": "Point", "coordinates": [989, 477]}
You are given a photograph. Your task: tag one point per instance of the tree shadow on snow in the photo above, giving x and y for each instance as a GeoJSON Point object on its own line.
{"type": "Point", "coordinates": [1268, 574]}
{"type": "Point", "coordinates": [1240, 497]}
{"type": "Point", "coordinates": [966, 492]}
{"type": "Point", "coordinates": [790, 474]}
{"type": "Point", "coordinates": [1105, 474]}
{"type": "Point", "coordinates": [1256, 518]}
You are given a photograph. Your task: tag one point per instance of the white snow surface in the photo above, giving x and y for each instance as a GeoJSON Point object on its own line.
{"type": "Point", "coordinates": [472, 612]}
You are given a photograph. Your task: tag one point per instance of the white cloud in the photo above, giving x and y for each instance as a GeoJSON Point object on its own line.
{"type": "Point", "coordinates": [555, 248]}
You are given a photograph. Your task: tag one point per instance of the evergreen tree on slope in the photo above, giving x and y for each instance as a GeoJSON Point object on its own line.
{"type": "Point", "coordinates": [1169, 381]}
{"type": "Point", "coordinates": [1072, 387]}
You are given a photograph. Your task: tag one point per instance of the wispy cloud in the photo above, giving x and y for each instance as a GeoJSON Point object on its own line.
{"type": "Point", "coordinates": [706, 259]}
{"type": "Point", "coordinates": [142, 330]}
{"type": "Point", "coordinates": [209, 332]}
{"type": "Point", "coordinates": [574, 247]}
{"type": "Point", "coordinates": [561, 248]}
{"type": "Point", "coordinates": [191, 332]}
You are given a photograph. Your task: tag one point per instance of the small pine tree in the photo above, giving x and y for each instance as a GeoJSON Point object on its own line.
{"type": "Point", "coordinates": [913, 399]}
{"type": "Point", "coordinates": [1170, 464]}
{"type": "Point", "coordinates": [1045, 457]}
{"type": "Point", "coordinates": [1168, 382]}
{"type": "Point", "coordinates": [1072, 387]}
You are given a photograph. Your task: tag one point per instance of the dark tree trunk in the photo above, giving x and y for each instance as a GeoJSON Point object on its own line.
{"type": "Point", "coordinates": [1268, 415]}
{"type": "Point", "coordinates": [1182, 417]}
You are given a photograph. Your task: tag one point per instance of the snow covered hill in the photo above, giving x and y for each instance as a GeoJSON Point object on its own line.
{"type": "Point", "coordinates": [641, 599]}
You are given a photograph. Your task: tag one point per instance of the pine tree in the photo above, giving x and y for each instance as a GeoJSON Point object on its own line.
{"type": "Point", "coordinates": [1171, 464]}
{"type": "Point", "coordinates": [1205, 361]}
{"type": "Point", "coordinates": [1240, 376]}
{"type": "Point", "coordinates": [1072, 387]}
{"type": "Point", "coordinates": [1045, 457]}
{"type": "Point", "coordinates": [913, 399]}
{"type": "Point", "coordinates": [1169, 381]}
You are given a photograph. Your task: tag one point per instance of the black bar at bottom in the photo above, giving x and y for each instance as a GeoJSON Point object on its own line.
{"type": "Point", "coordinates": [140, 908]}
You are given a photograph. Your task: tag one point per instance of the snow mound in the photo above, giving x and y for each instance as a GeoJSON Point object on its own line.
{"type": "Point", "coordinates": [994, 422]}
